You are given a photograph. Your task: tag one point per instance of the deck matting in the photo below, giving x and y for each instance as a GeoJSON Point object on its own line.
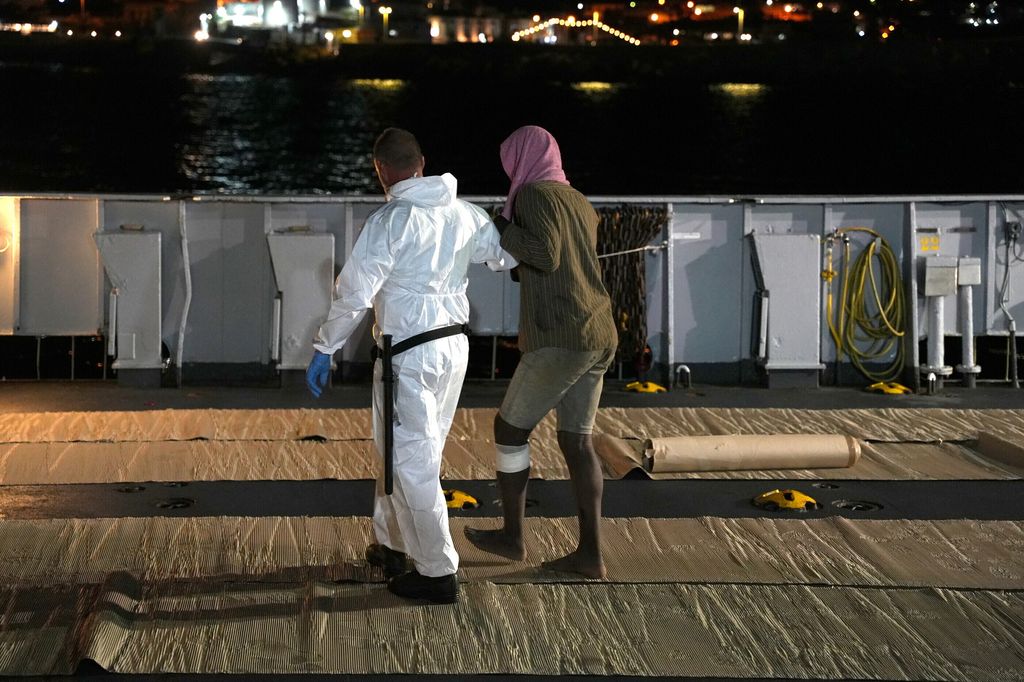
{"type": "Point", "coordinates": [207, 445]}
{"type": "Point", "coordinates": [881, 424]}
{"type": "Point", "coordinates": [828, 551]}
{"type": "Point", "coordinates": [842, 605]}
{"type": "Point", "coordinates": [829, 598]}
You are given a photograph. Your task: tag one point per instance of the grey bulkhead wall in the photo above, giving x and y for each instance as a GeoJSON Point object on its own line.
{"type": "Point", "coordinates": [232, 280]}
{"type": "Point", "coordinates": [233, 284]}
{"type": "Point", "coordinates": [160, 216]}
{"type": "Point", "coordinates": [59, 262]}
{"type": "Point", "coordinates": [713, 282]}
{"type": "Point", "coordinates": [711, 274]}
{"type": "Point", "coordinates": [890, 221]}
{"type": "Point", "coordinates": [962, 231]}
{"type": "Point", "coordinates": [994, 270]}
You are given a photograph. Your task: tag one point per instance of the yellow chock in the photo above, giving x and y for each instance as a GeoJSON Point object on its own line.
{"type": "Point", "coordinates": [456, 499]}
{"type": "Point", "coordinates": [793, 500]}
{"type": "Point", "coordinates": [645, 387]}
{"type": "Point", "coordinates": [888, 387]}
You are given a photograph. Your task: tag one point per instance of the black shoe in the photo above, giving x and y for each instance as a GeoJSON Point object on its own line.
{"type": "Point", "coordinates": [412, 585]}
{"type": "Point", "coordinates": [393, 562]}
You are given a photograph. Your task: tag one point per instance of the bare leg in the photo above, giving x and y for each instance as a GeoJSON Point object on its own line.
{"type": "Point", "coordinates": [508, 540]}
{"type": "Point", "coordinates": [588, 485]}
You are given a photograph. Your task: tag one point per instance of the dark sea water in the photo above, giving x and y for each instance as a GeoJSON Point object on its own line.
{"type": "Point", "coordinates": [83, 130]}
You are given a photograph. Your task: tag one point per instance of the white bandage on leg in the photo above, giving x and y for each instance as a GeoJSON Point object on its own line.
{"type": "Point", "coordinates": [512, 458]}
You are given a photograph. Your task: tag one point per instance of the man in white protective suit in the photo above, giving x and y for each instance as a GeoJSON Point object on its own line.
{"type": "Point", "coordinates": [410, 264]}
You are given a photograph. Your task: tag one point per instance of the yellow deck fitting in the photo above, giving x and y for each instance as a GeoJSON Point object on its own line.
{"type": "Point", "coordinates": [645, 387]}
{"type": "Point", "coordinates": [456, 499]}
{"type": "Point", "coordinates": [889, 387]}
{"type": "Point", "coordinates": [794, 500]}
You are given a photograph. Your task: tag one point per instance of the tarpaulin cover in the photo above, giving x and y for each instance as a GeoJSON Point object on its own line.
{"type": "Point", "coordinates": [174, 445]}
{"type": "Point", "coordinates": [831, 598]}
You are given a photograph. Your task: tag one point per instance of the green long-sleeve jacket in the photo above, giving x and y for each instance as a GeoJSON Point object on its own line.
{"type": "Point", "coordinates": [563, 302]}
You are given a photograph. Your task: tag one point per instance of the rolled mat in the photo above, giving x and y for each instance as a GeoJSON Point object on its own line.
{"type": "Point", "coordinates": [731, 453]}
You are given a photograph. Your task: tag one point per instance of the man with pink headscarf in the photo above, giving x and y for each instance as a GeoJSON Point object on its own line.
{"type": "Point", "coordinates": [568, 340]}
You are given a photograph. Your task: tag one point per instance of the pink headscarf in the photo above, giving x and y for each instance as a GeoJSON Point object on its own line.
{"type": "Point", "coordinates": [530, 154]}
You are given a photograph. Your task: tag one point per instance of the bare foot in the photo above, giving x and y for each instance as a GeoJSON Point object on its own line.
{"type": "Point", "coordinates": [586, 565]}
{"type": "Point", "coordinates": [496, 542]}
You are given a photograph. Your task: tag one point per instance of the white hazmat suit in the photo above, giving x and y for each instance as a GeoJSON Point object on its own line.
{"type": "Point", "coordinates": [410, 264]}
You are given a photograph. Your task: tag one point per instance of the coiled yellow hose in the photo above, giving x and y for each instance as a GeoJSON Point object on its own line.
{"type": "Point", "coordinates": [864, 332]}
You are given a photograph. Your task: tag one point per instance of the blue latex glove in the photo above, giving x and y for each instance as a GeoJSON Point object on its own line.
{"type": "Point", "coordinates": [318, 372]}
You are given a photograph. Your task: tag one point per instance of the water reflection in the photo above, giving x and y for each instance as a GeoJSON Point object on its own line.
{"type": "Point", "coordinates": [598, 91]}
{"type": "Point", "coordinates": [252, 133]}
{"type": "Point", "coordinates": [379, 83]}
{"type": "Point", "coordinates": [71, 130]}
{"type": "Point", "coordinates": [740, 89]}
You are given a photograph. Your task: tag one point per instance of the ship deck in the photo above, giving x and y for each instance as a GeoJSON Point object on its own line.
{"type": "Point", "coordinates": [111, 572]}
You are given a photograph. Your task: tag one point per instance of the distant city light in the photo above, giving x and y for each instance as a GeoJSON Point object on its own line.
{"type": "Point", "coordinates": [632, 4]}
{"type": "Point", "coordinates": [885, 34]}
{"type": "Point", "coordinates": [821, 5]}
{"type": "Point", "coordinates": [70, 32]}
{"type": "Point", "coordinates": [861, 33]}
{"type": "Point", "coordinates": [201, 36]}
{"type": "Point", "coordinates": [329, 37]}
{"type": "Point", "coordinates": [654, 18]}
{"type": "Point", "coordinates": [481, 38]}
{"type": "Point", "coordinates": [536, 18]}
{"type": "Point", "coordinates": [579, 5]}
{"type": "Point", "coordinates": [346, 34]}
{"type": "Point", "coordinates": [714, 36]}
{"type": "Point", "coordinates": [768, 2]}
{"type": "Point", "coordinates": [569, 21]}
{"type": "Point", "coordinates": [697, 12]}
{"type": "Point", "coordinates": [675, 31]}
{"type": "Point", "coordinates": [689, 5]}
{"type": "Point", "coordinates": [277, 16]}
{"type": "Point", "coordinates": [856, 12]}
{"type": "Point", "coordinates": [788, 8]}
{"type": "Point", "coordinates": [93, 34]}
{"type": "Point", "coordinates": [746, 37]}
{"type": "Point", "coordinates": [52, 27]}
{"type": "Point", "coordinates": [117, 34]}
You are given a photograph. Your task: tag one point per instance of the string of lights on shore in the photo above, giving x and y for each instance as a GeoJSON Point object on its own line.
{"type": "Point", "coordinates": [572, 23]}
